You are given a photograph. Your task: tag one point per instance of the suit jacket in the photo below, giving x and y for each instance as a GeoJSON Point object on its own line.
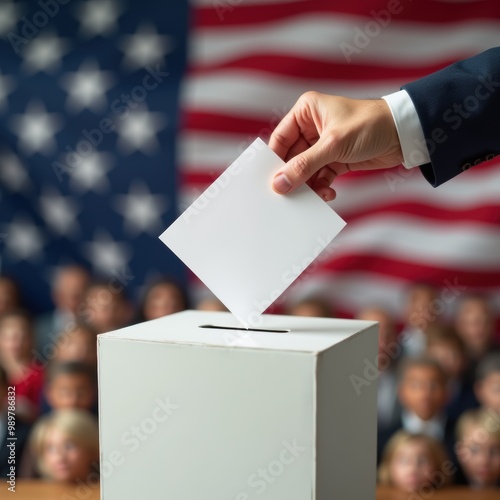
{"type": "Point", "coordinates": [462, 399]}
{"type": "Point", "coordinates": [458, 108]}
{"type": "Point", "coordinates": [388, 405]}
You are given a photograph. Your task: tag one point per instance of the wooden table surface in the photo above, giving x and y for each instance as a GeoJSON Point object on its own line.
{"type": "Point", "coordinates": [37, 490]}
{"type": "Point", "coordinates": [450, 493]}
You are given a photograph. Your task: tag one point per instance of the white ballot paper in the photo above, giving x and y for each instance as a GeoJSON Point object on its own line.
{"type": "Point", "coordinates": [248, 243]}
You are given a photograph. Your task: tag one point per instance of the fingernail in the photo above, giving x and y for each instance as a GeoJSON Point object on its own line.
{"type": "Point", "coordinates": [281, 184]}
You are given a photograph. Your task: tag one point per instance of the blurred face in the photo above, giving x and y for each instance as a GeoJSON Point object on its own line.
{"type": "Point", "coordinates": [488, 392]}
{"type": "Point", "coordinates": [69, 289]}
{"type": "Point", "coordinates": [71, 391]}
{"type": "Point", "coordinates": [211, 305]}
{"type": "Point", "coordinates": [449, 357]}
{"type": "Point", "coordinates": [105, 310]}
{"type": "Point", "coordinates": [419, 307]}
{"type": "Point", "coordinates": [163, 299]}
{"type": "Point", "coordinates": [15, 339]}
{"type": "Point", "coordinates": [308, 309]}
{"type": "Point", "coordinates": [387, 332]}
{"type": "Point", "coordinates": [475, 325]}
{"type": "Point", "coordinates": [411, 467]}
{"type": "Point", "coordinates": [8, 296]}
{"type": "Point", "coordinates": [64, 459]}
{"type": "Point", "coordinates": [422, 391]}
{"type": "Point", "coordinates": [77, 345]}
{"type": "Point", "coordinates": [479, 456]}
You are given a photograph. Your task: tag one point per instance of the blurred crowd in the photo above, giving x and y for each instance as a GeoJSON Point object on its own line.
{"type": "Point", "coordinates": [48, 369]}
{"type": "Point", "coordinates": [438, 381]}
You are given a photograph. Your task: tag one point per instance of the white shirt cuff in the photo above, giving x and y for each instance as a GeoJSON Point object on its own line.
{"type": "Point", "coordinates": [411, 135]}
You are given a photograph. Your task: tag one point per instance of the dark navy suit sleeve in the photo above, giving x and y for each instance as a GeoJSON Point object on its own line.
{"type": "Point", "coordinates": [459, 110]}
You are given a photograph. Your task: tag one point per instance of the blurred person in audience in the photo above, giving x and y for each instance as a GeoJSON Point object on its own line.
{"type": "Point", "coordinates": [78, 343]}
{"type": "Point", "coordinates": [10, 296]}
{"type": "Point", "coordinates": [105, 307]}
{"type": "Point", "coordinates": [71, 385]}
{"type": "Point", "coordinates": [487, 385]}
{"type": "Point", "coordinates": [423, 395]}
{"type": "Point", "coordinates": [475, 324]}
{"type": "Point", "coordinates": [211, 304]}
{"type": "Point", "coordinates": [68, 287]}
{"type": "Point", "coordinates": [419, 315]}
{"type": "Point", "coordinates": [412, 462]}
{"type": "Point", "coordinates": [163, 296]}
{"type": "Point", "coordinates": [315, 307]}
{"type": "Point", "coordinates": [447, 348]}
{"type": "Point", "coordinates": [20, 430]}
{"type": "Point", "coordinates": [389, 351]}
{"type": "Point", "coordinates": [65, 446]}
{"type": "Point", "coordinates": [16, 357]}
{"type": "Point", "coordinates": [478, 448]}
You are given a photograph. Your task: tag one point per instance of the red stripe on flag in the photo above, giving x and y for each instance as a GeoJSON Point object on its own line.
{"type": "Point", "coordinates": [207, 121]}
{"type": "Point", "coordinates": [221, 14]}
{"type": "Point", "coordinates": [293, 66]}
{"type": "Point", "coordinates": [412, 271]}
{"type": "Point", "coordinates": [483, 214]}
{"type": "Point", "coordinates": [198, 179]}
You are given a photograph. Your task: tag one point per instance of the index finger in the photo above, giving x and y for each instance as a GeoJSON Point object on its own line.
{"type": "Point", "coordinates": [285, 135]}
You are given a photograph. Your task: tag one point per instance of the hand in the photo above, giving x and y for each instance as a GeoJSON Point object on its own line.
{"type": "Point", "coordinates": [325, 136]}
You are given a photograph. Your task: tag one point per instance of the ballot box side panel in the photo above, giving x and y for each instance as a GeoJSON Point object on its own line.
{"type": "Point", "coordinates": [190, 422]}
{"type": "Point", "coordinates": [347, 419]}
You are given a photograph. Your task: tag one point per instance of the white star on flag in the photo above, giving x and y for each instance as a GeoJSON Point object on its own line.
{"type": "Point", "coordinates": [59, 212]}
{"type": "Point", "coordinates": [10, 14]}
{"type": "Point", "coordinates": [87, 87]}
{"type": "Point", "coordinates": [23, 240]}
{"type": "Point", "coordinates": [91, 173]}
{"type": "Point", "coordinates": [98, 17]}
{"type": "Point", "coordinates": [12, 172]}
{"type": "Point", "coordinates": [138, 131]}
{"type": "Point", "coordinates": [6, 87]}
{"type": "Point", "coordinates": [44, 53]}
{"type": "Point", "coordinates": [145, 47]}
{"type": "Point", "coordinates": [141, 210]}
{"type": "Point", "coordinates": [105, 254]}
{"type": "Point", "coordinates": [36, 128]}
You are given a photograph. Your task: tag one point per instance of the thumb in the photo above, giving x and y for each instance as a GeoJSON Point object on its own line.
{"type": "Point", "coordinates": [300, 168]}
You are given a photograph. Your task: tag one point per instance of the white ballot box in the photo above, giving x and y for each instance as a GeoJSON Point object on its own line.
{"type": "Point", "coordinates": [193, 407]}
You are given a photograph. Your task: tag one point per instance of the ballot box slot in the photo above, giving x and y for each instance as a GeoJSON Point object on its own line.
{"type": "Point", "coordinates": [243, 329]}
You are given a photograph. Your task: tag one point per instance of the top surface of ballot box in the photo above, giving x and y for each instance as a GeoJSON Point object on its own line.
{"type": "Point", "coordinates": [189, 411]}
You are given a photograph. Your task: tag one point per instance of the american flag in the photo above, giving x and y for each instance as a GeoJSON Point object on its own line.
{"type": "Point", "coordinates": [88, 122]}
{"type": "Point", "coordinates": [234, 68]}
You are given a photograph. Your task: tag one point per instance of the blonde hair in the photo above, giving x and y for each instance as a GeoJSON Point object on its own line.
{"type": "Point", "coordinates": [401, 438]}
{"type": "Point", "coordinates": [487, 420]}
{"type": "Point", "coordinates": [79, 425]}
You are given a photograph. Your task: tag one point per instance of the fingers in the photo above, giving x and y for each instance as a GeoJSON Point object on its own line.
{"type": "Point", "coordinates": [322, 187]}
{"type": "Point", "coordinates": [301, 168]}
{"type": "Point", "coordinates": [281, 183]}
{"type": "Point", "coordinates": [325, 176]}
{"type": "Point", "coordinates": [285, 135]}
{"type": "Point", "coordinates": [300, 146]}
{"type": "Point", "coordinates": [327, 194]}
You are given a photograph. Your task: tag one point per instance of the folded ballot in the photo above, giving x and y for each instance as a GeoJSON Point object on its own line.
{"type": "Point", "coordinates": [247, 243]}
